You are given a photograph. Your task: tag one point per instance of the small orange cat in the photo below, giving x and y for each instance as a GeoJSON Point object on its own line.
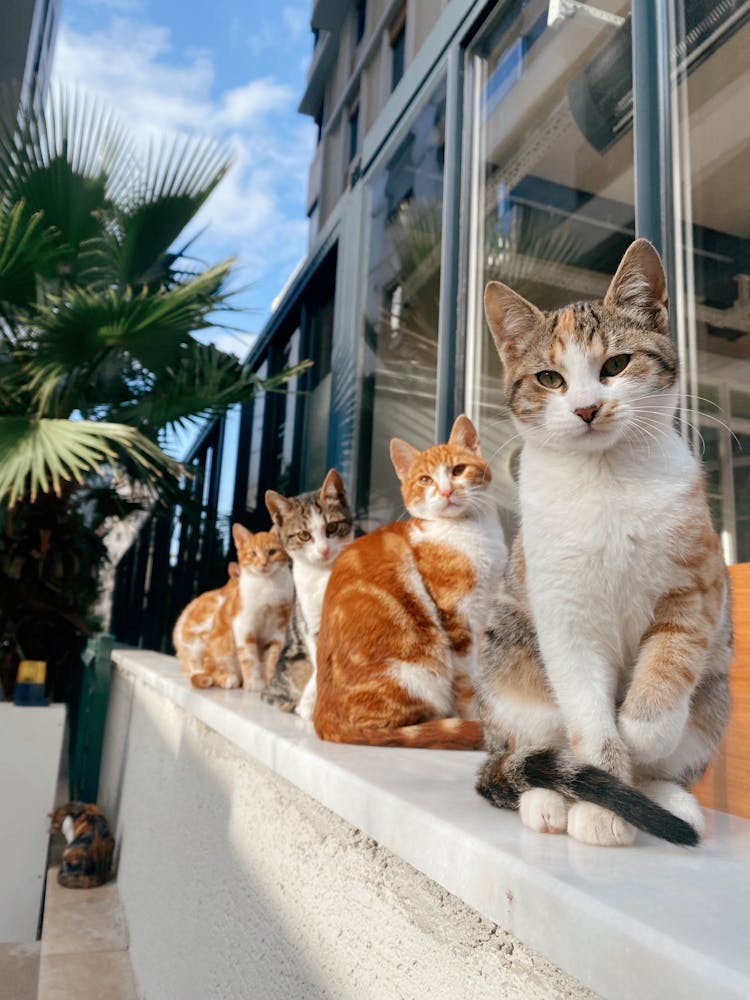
{"type": "Point", "coordinates": [405, 607]}
{"type": "Point", "coordinates": [232, 636]}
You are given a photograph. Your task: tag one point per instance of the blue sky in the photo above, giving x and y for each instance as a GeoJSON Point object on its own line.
{"type": "Point", "coordinates": [232, 69]}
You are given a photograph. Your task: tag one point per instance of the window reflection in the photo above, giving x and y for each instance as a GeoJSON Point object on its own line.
{"type": "Point", "coordinates": [402, 288]}
{"type": "Point", "coordinates": [552, 185]}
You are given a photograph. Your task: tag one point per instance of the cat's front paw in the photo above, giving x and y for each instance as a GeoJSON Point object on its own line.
{"type": "Point", "coordinates": [653, 739]}
{"type": "Point", "coordinates": [279, 699]}
{"type": "Point", "coordinates": [543, 810]}
{"type": "Point", "coordinates": [592, 824]}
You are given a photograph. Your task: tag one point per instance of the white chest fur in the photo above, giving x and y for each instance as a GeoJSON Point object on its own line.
{"type": "Point", "coordinates": [260, 593]}
{"type": "Point", "coordinates": [597, 532]}
{"type": "Point", "coordinates": [310, 582]}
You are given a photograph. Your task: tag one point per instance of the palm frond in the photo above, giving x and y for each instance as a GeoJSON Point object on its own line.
{"type": "Point", "coordinates": [26, 248]}
{"type": "Point", "coordinates": [42, 456]}
{"type": "Point", "coordinates": [81, 332]}
{"type": "Point", "coordinates": [201, 382]}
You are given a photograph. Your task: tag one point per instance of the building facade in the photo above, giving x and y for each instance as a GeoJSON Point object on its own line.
{"type": "Point", "coordinates": [28, 29]}
{"type": "Point", "coordinates": [460, 141]}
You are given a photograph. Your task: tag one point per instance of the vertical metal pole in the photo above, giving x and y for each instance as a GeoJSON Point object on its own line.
{"type": "Point", "coordinates": [449, 273]}
{"type": "Point", "coordinates": [652, 130]}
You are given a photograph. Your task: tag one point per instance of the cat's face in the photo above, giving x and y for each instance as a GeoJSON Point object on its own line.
{"type": "Point", "coordinates": [447, 480]}
{"type": "Point", "coordinates": [259, 554]}
{"type": "Point", "coordinates": [588, 376]}
{"type": "Point", "coordinates": [314, 527]}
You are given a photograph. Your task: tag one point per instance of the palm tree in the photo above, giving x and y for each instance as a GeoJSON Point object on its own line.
{"type": "Point", "coordinates": [98, 358]}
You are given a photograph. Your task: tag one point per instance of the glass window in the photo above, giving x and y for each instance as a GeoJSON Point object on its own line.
{"type": "Point", "coordinates": [552, 187]}
{"type": "Point", "coordinates": [398, 48]}
{"type": "Point", "coordinates": [317, 398]}
{"type": "Point", "coordinates": [402, 287]}
{"type": "Point", "coordinates": [361, 15]}
{"type": "Point", "coordinates": [713, 221]}
{"type": "Point", "coordinates": [353, 133]}
{"type": "Point", "coordinates": [256, 442]}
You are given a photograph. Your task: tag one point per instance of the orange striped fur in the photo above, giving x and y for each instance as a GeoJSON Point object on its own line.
{"type": "Point", "coordinates": [403, 609]}
{"type": "Point", "coordinates": [232, 637]}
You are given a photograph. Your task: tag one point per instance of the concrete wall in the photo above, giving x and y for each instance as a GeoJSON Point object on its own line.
{"type": "Point", "coordinates": [235, 884]}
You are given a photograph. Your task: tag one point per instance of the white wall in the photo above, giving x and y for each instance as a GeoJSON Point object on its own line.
{"type": "Point", "coordinates": [235, 884]}
{"type": "Point", "coordinates": [30, 743]}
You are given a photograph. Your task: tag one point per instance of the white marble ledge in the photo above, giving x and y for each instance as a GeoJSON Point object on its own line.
{"type": "Point", "coordinates": [648, 921]}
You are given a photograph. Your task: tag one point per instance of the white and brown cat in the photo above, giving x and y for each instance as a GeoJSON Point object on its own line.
{"type": "Point", "coordinates": [603, 684]}
{"type": "Point", "coordinates": [315, 528]}
{"type": "Point", "coordinates": [406, 606]}
{"type": "Point", "coordinates": [232, 637]}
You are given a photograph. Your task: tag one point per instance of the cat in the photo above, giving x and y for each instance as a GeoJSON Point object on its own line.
{"type": "Point", "coordinates": [192, 629]}
{"type": "Point", "coordinates": [405, 607]}
{"type": "Point", "coordinates": [315, 528]}
{"type": "Point", "coordinates": [232, 637]}
{"type": "Point", "coordinates": [87, 859]}
{"type": "Point", "coordinates": [603, 674]}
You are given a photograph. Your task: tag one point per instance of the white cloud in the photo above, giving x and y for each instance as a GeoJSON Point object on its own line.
{"type": "Point", "coordinates": [257, 214]}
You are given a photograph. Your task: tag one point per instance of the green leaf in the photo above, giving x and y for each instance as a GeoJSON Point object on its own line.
{"type": "Point", "coordinates": [43, 456]}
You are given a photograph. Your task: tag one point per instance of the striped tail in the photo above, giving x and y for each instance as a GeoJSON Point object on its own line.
{"type": "Point", "coordinates": [437, 734]}
{"type": "Point", "coordinates": [504, 776]}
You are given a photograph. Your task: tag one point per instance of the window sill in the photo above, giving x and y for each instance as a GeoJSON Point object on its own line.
{"type": "Point", "coordinates": [651, 920]}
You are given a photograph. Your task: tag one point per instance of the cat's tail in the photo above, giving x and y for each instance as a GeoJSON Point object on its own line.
{"type": "Point", "coordinates": [437, 734]}
{"type": "Point", "coordinates": [504, 776]}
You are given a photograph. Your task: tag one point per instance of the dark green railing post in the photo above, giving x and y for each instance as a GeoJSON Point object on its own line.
{"type": "Point", "coordinates": [89, 717]}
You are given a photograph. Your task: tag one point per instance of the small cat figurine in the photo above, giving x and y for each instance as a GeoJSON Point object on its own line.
{"type": "Point", "coordinates": [603, 682]}
{"type": "Point", "coordinates": [232, 637]}
{"type": "Point", "coordinates": [87, 859]}
{"type": "Point", "coordinates": [315, 528]}
{"type": "Point", "coordinates": [406, 606]}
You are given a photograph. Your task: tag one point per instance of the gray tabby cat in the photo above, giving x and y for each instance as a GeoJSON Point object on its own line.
{"type": "Point", "coordinates": [314, 528]}
{"type": "Point", "coordinates": [603, 685]}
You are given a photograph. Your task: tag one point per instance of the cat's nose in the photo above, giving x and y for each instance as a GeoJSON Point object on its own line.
{"type": "Point", "coordinates": [324, 552]}
{"type": "Point", "coordinates": [587, 413]}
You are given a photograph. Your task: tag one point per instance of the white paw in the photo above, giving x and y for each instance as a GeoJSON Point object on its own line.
{"type": "Point", "coordinates": [543, 810]}
{"type": "Point", "coordinates": [654, 740]}
{"type": "Point", "coordinates": [227, 681]}
{"type": "Point", "coordinates": [676, 800]}
{"type": "Point", "coordinates": [594, 825]}
{"type": "Point", "coordinates": [305, 708]}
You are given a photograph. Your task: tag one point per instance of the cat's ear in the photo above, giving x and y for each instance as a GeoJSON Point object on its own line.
{"type": "Point", "coordinates": [234, 570]}
{"type": "Point", "coordinates": [277, 506]}
{"type": "Point", "coordinates": [464, 434]}
{"type": "Point", "coordinates": [639, 286]}
{"type": "Point", "coordinates": [240, 534]}
{"type": "Point", "coordinates": [510, 317]}
{"type": "Point", "coordinates": [333, 486]}
{"type": "Point", "coordinates": [402, 456]}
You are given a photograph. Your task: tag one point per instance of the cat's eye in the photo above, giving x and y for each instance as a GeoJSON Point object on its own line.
{"type": "Point", "coordinates": [425, 479]}
{"type": "Point", "coordinates": [550, 380]}
{"type": "Point", "coordinates": [304, 536]}
{"type": "Point", "coordinates": [272, 552]}
{"type": "Point", "coordinates": [458, 470]}
{"type": "Point", "coordinates": [332, 528]}
{"type": "Point", "coordinates": [614, 365]}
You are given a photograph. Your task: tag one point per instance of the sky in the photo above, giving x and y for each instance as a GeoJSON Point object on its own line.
{"type": "Point", "coordinates": [231, 69]}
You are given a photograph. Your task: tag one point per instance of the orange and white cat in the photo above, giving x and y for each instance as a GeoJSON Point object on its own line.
{"type": "Point", "coordinates": [405, 607]}
{"type": "Point", "coordinates": [232, 637]}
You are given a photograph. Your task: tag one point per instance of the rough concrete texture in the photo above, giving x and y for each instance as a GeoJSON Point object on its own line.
{"type": "Point", "coordinates": [236, 885]}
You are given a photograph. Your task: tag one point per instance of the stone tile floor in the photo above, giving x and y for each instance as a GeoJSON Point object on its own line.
{"type": "Point", "coordinates": [84, 946]}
